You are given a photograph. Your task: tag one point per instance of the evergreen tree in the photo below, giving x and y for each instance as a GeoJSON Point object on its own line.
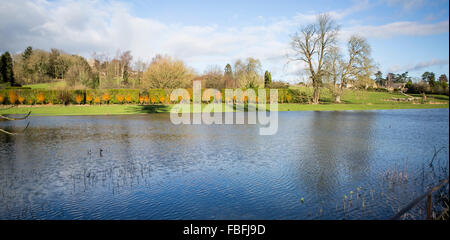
{"type": "Point", "coordinates": [228, 71]}
{"type": "Point", "coordinates": [7, 68]}
{"type": "Point", "coordinates": [267, 78]}
{"type": "Point", "coordinates": [27, 53]}
{"type": "Point", "coordinates": [228, 76]}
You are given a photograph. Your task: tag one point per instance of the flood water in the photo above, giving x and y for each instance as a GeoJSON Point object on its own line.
{"type": "Point", "coordinates": [144, 167]}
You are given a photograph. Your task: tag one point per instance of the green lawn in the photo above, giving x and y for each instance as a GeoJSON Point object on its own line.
{"type": "Point", "coordinates": [352, 100]}
{"type": "Point", "coordinates": [47, 110]}
{"type": "Point", "coordinates": [52, 85]}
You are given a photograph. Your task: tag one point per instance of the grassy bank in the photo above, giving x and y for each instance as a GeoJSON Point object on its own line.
{"type": "Point", "coordinates": [351, 100]}
{"type": "Point", "coordinates": [60, 110]}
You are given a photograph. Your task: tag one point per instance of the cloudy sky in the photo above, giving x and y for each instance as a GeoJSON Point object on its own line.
{"type": "Point", "coordinates": [405, 35]}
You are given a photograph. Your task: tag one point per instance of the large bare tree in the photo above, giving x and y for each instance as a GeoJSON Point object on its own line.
{"type": "Point", "coordinates": [312, 44]}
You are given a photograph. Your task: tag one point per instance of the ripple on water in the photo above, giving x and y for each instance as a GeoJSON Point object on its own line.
{"type": "Point", "coordinates": [151, 169]}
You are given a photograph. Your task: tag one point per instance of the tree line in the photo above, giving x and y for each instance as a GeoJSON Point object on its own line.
{"type": "Point", "coordinates": [34, 66]}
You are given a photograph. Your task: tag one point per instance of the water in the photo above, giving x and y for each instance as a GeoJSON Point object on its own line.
{"type": "Point", "coordinates": [151, 169]}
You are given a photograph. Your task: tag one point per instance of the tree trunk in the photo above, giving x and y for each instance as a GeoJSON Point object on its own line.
{"type": "Point", "coordinates": [337, 98]}
{"type": "Point", "coordinates": [316, 95]}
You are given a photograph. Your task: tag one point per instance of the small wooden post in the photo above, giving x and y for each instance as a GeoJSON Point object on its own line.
{"type": "Point", "coordinates": [429, 206]}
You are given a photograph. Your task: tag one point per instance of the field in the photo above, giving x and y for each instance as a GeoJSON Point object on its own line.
{"type": "Point", "coordinates": [351, 100]}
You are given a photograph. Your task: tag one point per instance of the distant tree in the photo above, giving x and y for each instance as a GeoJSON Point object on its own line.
{"type": "Point", "coordinates": [429, 77]}
{"type": "Point", "coordinates": [214, 78]}
{"type": "Point", "coordinates": [53, 63]}
{"type": "Point", "coordinates": [27, 71]}
{"type": "Point", "coordinates": [443, 81]}
{"type": "Point", "coordinates": [248, 73]}
{"type": "Point", "coordinates": [167, 73]}
{"type": "Point", "coordinates": [228, 75]}
{"type": "Point", "coordinates": [6, 68]}
{"type": "Point", "coordinates": [389, 80]}
{"type": "Point", "coordinates": [125, 61]}
{"type": "Point", "coordinates": [379, 78]}
{"type": "Point", "coordinates": [80, 72]}
{"type": "Point", "coordinates": [267, 79]}
{"type": "Point", "coordinates": [140, 67]}
{"type": "Point", "coordinates": [409, 84]}
{"type": "Point", "coordinates": [27, 53]}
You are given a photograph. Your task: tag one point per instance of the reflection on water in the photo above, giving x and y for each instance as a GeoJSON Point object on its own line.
{"type": "Point", "coordinates": [144, 167]}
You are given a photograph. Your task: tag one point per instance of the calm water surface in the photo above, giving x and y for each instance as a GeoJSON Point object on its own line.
{"type": "Point", "coordinates": [144, 167]}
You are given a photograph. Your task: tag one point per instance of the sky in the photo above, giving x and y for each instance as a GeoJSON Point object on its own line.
{"type": "Point", "coordinates": [405, 35]}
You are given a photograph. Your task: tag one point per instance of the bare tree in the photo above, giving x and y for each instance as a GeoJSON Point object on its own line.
{"type": "Point", "coordinates": [167, 73]}
{"type": "Point", "coordinates": [214, 77]}
{"type": "Point", "coordinates": [248, 73]}
{"type": "Point", "coordinates": [311, 46]}
{"type": "Point", "coordinates": [140, 67]}
{"type": "Point", "coordinates": [357, 68]}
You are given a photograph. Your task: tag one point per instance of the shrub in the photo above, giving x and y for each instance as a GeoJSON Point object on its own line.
{"type": "Point", "coordinates": [128, 99]}
{"type": "Point", "coordinates": [278, 85]}
{"type": "Point", "coordinates": [97, 100]}
{"type": "Point", "coordinates": [12, 96]}
{"type": "Point", "coordinates": [141, 99]}
{"type": "Point", "coordinates": [2, 99]}
{"type": "Point", "coordinates": [21, 99]}
{"type": "Point", "coordinates": [64, 97]}
{"type": "Point", "coordinates": [297, 96]}
{"type": "Point", "coordinates": [120, 98]}
{"type": "Point", "coordinates": [288, 98]}
{"type": "Point", "coordinates": [146, 99]}
{"type": "Point", "coordinates": [106, 97]}
{"type": "Point", "coordinates": [79, 98]}
{"type": "Point", "coordinates": [40, 98]}
{"type": "Point", "coordinates": [30, 101]}
{"type": "Point", "coordinates": [161, 99]}
{"type": "Point", "coordinates": [89, 99]}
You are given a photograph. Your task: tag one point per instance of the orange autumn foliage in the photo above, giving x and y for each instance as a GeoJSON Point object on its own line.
{"type": "Point", "coordinates": [12, 96]}
{"type": "Point", "coordinates": [40, 98]}
{"type": "Point", "coordinates": [79, 98]}
{"type": "Point", "coordinates": [106, 97]}
{"type": "Point", "coordinates": [21, 99]}
{"type": "Point", "coordinates": [89, 98]}
{"type": "Point", "coordinates": [120, 98]}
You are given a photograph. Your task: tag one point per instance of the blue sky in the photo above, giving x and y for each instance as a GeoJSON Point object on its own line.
{"type": "Point", "coordinates": [405, 35]}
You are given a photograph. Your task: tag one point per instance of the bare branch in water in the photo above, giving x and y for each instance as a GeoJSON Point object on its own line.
{"type": "Point", "coordinates": [14, 119]}
{"type": "Point", "coordinates": [5, 118]}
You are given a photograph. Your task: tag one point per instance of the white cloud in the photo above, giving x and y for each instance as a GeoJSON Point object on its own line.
{"type": "Point", "coordinates": [406, 4]}
{"type": "Point", "coordinates": [83, 27]}
{"type": "Point", "coordinates": [395, 29]}
{"type": "Point", "coordinates": [418, 66]}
